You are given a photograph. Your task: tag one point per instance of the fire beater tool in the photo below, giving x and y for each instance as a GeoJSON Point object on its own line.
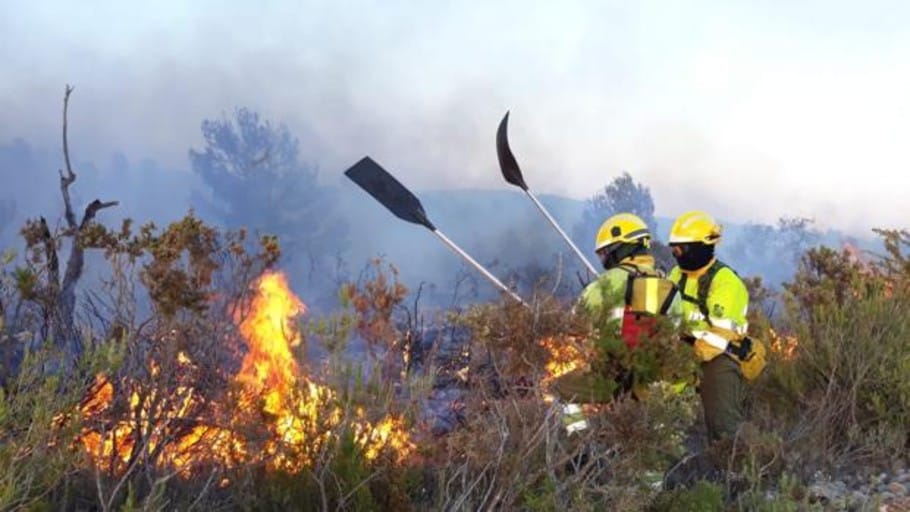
{"type": "Point", "coordinates": [512, 173]}
{"type": "Point", "coordinates": [377, 182]}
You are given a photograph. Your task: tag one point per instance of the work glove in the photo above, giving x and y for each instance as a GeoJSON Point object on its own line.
{"type": "Point", "coordinates": [687, 338]}
{"type": "Point", "coordinates": [741, 349]}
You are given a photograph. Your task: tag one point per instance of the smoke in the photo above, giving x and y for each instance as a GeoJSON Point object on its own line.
{"type": "Point", "coordinates": [694, 100]}
{"type": "Point", "coordinates": [702, 109]}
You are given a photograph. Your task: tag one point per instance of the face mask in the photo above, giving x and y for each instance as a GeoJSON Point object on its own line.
{"type": "Point", "coordinates": [607, 258]}
{"type": "Point", "coordinates": [610, 256]}
{"type": "Point", "coordinates": [693, 256]}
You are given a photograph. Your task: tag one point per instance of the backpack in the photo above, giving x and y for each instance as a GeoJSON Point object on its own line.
{"type": "Point", "coordinates": [750, 353]}
{"type": "Point", "coordinates": [648, 295]}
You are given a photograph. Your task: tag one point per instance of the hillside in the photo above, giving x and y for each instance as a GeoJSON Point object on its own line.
{"type": "Point", "coordinates": [502, 229]}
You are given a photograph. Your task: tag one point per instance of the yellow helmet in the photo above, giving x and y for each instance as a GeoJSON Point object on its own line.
{"type": "Point", "coordinates": [695, 226]}
{"type": "Point", "coordinates": [622, 227]}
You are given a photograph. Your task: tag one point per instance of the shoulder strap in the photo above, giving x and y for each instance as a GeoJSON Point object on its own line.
{"type": "Point", "coordinates": [704, 282]}
{"type": "Point", "coordinates": [633, 272]}
{"type": "Point", "coordinates": [704, 286]}
{"type": "Point", "coordinates": [665, 307]}
{"type": "Point", "coordinates": [631, 268]}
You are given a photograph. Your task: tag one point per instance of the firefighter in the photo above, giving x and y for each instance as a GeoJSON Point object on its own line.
{"type": "Point", "coordinates": [623, 245]}
{"type": "Point", "coordinates": [714, 307]}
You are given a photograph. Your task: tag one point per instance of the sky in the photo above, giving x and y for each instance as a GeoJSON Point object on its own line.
{"type": "Point", "coordinates": [750, 110]}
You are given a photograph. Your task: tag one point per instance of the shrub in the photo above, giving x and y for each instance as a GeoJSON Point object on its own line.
{"type": "Point", "coordinates": [842, 398]}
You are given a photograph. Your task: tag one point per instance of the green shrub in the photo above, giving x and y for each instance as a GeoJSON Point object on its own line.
{"type": "Point", "coordinates": [843, 398]}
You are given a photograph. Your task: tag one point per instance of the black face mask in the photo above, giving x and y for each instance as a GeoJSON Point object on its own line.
{"type": "Point", "coordinates": [610, 256]}
{"type": "Point", "coordinates": [692, 256]}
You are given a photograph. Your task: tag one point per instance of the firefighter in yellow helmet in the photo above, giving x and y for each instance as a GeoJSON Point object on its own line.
{"type": "Point", "coordinates": [623, 245]}
{"type": "Point", "coordinates": [715, 303]}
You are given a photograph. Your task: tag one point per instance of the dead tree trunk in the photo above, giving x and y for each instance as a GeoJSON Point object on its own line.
{"type": "Point", "coordinates": [60, 306]}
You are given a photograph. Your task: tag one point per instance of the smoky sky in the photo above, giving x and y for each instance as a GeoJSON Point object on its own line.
{"type": "Point", "coordinates": [748, 110]}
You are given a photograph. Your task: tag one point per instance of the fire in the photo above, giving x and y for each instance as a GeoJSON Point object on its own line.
{"type": "Point", "coordinates": [115, 446]}
{"type": "Point", "coordinates": [269, 366]}
{"type": "Point", "coordinates": [567, 354]}
{"type": "Point", "coordinates": [785, 346]}
{"type": "Point", "coordinates": [300, 415]}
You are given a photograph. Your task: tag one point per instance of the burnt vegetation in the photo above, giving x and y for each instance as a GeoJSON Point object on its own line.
{"type": "Point", "coordinates": [143, 393]}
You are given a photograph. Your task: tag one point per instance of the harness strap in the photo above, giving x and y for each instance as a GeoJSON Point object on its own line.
{"type": "Point", "coordinates": [704, 286]}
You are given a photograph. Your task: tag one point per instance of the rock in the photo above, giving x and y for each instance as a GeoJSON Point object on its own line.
{"type": "Point", "coordinates": [825, 491]}
{"type": "Point", "coordinates": [838, 504]}
{"type": "Point", "coordinates": [897, 488]}
{"type": "Point", "coordinates": [858, 498]}
{"type": "Point", "coordinates": [897, 505]}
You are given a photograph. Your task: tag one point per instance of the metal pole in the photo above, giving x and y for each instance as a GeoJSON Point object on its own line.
{"type": "Point", "coordinates": [479, 267]}
{"type": "Point", "coordinates": [561, 232]}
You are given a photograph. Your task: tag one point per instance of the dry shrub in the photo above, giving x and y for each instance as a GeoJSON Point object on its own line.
{"type": "Point", "coordinates": [507, 348]}
{"type": "Point", "coordinates": [180, 353]}
{"type": "Point", "coordinates": [506, 337]}
{"type": "Point", "coordinates": [373, 306]}
{"type": "Point", "coordinates": [513, 453]}
{"type": "Point", "coordinates": [842, 399]}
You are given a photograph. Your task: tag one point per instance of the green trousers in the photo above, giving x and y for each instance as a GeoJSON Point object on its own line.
{"type": "Point", "coordinates": [723, 397]}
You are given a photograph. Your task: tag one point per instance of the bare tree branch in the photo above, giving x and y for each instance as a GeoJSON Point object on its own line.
{"type": "Point", "coordinates": [67, 179]}
{"type": "Point", "coordinates": [93, 208]}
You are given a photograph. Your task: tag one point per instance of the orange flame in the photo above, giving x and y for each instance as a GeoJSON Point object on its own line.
{"type": "Point", "coordinates": [301, 415]}
{"type": "Point", "coordinates": [785, 346]}
{"type": "Point", "coordinates": [270, 367]}
{"type": "Point", "coordinates": [566, 354]}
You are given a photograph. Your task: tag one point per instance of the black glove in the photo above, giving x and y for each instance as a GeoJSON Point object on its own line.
{"type": "Point", "coordinates": [687, 338]}
{"type": "Point", "coordinates": [742, 350]}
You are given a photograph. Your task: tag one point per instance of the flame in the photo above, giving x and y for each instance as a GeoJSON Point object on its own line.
{"type": "Point", "coordinates": [868, 268]}
{"type": "Point", "coordinates": [300, 415]}
{"type": "Point", "coordinates": [269, 367]}
{"type": "Point", "coordinates": [785, 346]}
{"type": "Point", "coordinates": [566, 354]}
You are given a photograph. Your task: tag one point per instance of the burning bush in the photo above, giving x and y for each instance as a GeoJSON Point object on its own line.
{"type": "Point", "coordinates": [206, 387]}
{"type": "Point", "coordinates": [271, 415]}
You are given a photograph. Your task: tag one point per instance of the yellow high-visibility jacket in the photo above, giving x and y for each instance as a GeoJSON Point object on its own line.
{"type": "Point", "coordinates": [636, 293]}
{"type": "Point", "coordinates": [610, 287]}
{"type": "Point", "coordinates": [726, 304]}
